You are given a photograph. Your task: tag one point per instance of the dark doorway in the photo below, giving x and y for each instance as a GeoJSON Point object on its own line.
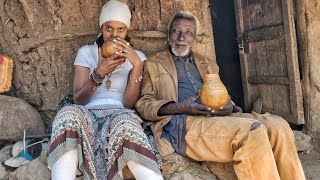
{"type": "Point", "coordinates": [226, 46]}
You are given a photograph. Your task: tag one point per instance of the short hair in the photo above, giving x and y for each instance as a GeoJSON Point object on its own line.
{"type": "Point", "coordinates": [184, 15]}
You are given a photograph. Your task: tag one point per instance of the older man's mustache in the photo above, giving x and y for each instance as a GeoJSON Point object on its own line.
{"type": "Point", "coordinates": [179, 44]}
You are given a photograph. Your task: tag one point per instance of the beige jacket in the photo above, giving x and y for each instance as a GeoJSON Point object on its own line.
{"type": "Point", "coordinates": [160, 86]}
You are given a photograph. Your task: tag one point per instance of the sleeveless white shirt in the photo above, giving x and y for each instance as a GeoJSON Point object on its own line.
{"type": "Point", "coordinates": [87, 56]}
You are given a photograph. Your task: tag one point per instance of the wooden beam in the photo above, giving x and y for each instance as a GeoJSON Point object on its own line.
{"type": "Point", "coordinates": [266, 33]}
{"type": "Point", "coordinates": [147, 34]}
{"type": "Point", "coordinates": [20, 137]}
{"type": "Point", "coordinates": [296, 100]}
{"type": "Point", "coordinates": [268, 80]}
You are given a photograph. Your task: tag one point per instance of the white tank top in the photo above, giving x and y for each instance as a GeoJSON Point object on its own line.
{"type": "Point", "coordinates": [87, 56]}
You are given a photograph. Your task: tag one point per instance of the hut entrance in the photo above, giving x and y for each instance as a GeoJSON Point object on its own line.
{"type": "Point", "coordinates": [256, 51]}
{"type": "Point", "coordinates": [226, 46]}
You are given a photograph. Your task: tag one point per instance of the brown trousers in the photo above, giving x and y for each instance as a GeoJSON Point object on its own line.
{"type": "Point", "coordinates": [265, 153]}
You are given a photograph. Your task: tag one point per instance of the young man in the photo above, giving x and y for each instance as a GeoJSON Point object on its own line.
{"type": "Point", "coordinates": [261, 146]}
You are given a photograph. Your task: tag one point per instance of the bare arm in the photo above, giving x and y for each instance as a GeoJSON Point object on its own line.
{"type": "Point", "coordinates": [83, 87]}
{"type": "Point", "coordinates": [132, 92]}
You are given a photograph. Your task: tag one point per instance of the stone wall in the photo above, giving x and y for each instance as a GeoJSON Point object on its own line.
{"type": "Point", "coordinates": [308, 28]}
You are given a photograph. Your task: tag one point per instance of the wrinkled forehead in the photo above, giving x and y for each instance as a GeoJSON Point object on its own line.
{"type": "Point", "coordinates": [183, 23]}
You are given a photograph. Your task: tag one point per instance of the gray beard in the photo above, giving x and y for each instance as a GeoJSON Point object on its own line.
{"type": "Point", "coordinates": [180, 52]}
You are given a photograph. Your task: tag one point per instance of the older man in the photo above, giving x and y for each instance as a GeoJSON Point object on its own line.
{"type": "Point", "coordinates": [261, 146]}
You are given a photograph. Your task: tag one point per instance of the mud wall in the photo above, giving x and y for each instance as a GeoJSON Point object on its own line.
{"type": "Point", "coordinates": [308, 29]}
{"type": "Point", "coordinates": [42, 37]}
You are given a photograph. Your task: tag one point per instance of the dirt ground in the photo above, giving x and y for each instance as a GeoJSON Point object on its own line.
{"type": "Point", "coordinates": [311, 165]}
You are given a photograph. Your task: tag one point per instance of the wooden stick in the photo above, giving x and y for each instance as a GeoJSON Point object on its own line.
{"type": "Point", "coordinates": [18, 138]}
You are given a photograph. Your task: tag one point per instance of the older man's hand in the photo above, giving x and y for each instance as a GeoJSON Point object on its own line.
{"type": "Point", "coordinates": [223, 111]}
{"type": "Point", "coordinates": [192, 108]}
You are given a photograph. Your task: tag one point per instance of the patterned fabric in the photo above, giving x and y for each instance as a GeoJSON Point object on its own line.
{"type": "Point", "coordinates": [106, 137]}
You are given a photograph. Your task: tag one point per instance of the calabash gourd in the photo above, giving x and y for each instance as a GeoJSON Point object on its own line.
{"type": "Point", "coordinates": [108, 48]}
{"type": "Point", "coordinates": [213, 92]}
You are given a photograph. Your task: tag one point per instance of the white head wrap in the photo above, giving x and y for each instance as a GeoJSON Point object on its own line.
{"type": "Point", "coordinates": [114, 10]}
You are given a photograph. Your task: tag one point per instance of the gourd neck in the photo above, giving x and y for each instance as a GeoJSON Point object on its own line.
{"type": "Point", "coordinates": [215, 78]}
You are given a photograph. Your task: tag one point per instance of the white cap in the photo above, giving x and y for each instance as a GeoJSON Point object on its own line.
{"type": "Point", "coordinates": [115, 10]}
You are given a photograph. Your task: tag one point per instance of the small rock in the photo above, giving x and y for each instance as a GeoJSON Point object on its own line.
{"type": "Point", "coordinates": [221, 170]}
{"type": "Point", "coordinates": [44, 153]}
{"type": "Point", "coordinates": [3, 172]}
{"type": "Point", "coordinates": [5, 153]}
{"type": "Point", "coordinates": [193, 172]}
{"type": "Point", "coordinates": [303, 142]}
{"type": "Point", "coordinates": [174, 163]}
{"type": "Point", "coordinates": [34, 170]}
